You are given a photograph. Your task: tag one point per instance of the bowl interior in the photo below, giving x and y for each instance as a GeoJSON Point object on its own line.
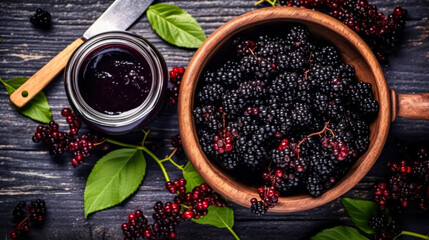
{"type": "Point", "coordinates": [353, 51]}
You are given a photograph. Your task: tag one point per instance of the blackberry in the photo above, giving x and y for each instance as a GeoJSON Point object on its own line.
{"type": "Point", "coordinates": [315, 185]}
{"type": "Point", "coordinates": [41, 19]}
{"type": "Point", "coordinates": [298, 61]}
{"type": "Point", "coordinates": [258, 207]}
{"type": "Point", "coordinates": [210, 94]}
{"type": "Point", "coordinates": [377, 223]}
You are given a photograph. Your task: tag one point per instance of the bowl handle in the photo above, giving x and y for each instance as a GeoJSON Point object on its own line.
{"type": "Point", "coordinates": [414, 106]}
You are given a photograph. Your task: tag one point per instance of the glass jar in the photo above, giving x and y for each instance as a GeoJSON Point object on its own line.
{"type": "Point", "coordinates": [123, 121]}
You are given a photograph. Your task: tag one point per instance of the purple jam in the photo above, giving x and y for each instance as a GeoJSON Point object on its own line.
{"type": "Point", "coordinates": [114, 79]}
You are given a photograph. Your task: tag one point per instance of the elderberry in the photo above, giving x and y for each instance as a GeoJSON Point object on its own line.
{"type": "Point", "coordinates": [166, 216]}
{"type": "Point", "coordinates": [25, 215]}
{"type": "Point", "coordinates": [175, 75]}
{"type": "Point", "coordinates": [59, 142]}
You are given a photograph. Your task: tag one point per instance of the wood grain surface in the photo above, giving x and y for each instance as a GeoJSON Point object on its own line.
{"type": "Point", "coordinates": [28, 172]}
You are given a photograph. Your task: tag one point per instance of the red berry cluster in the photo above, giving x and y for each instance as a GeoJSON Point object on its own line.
{"type": "Point", "coordinates": [223, 142]}
{"type": "Point", "coordinates": [379, 31]}
{"type": "Point", "coordinates": [59, 141]}
{"type": "Point", "coordinates": [408, 182]}
{"type": "Point", "coordinates": [167, 216]}
{"type": "Point", "coordinates": [269, 197]}
{"type": "Point", "coordinates": [339, 149]}
{"type": "Point", "coordinates": [24, 214]}
{"type": "Point", "coordinates": [176, 75]}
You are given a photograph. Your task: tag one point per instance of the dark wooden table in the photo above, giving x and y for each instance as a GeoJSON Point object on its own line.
{"type": "Point", "coordinates": [28, 172]}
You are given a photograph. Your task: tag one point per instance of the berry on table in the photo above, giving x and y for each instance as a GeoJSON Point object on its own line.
{"type": "Point", "coordinates": [25, 215]}
{"type": "Point", "coordinates": [41, 19]}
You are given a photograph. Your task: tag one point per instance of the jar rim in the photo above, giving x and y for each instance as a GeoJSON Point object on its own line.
{"type": "Point", "coordinates": [97, 43]}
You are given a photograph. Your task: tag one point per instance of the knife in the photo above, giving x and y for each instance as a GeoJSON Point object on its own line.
{"type": "Point", "coordinates": [118, 17]}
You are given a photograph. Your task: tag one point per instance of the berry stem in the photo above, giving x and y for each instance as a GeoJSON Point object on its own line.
{"type": "Point", "coordinates": [325, 128]}
{"type": "Point", "coordinates": [146, 132]}
{"type": "Point", "coordinates": [273, 2]}
{"type": "Point", "coordinates": [417, 235]}
{"type": "Point", "coordinates": [146, 150]}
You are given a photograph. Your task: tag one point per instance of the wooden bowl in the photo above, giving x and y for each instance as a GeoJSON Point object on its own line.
{"type": "Point", "coordinates": [354, 52]}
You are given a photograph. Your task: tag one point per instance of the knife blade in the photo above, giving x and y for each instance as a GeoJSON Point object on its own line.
{"type": "Point", "coordinates": [118, 17]}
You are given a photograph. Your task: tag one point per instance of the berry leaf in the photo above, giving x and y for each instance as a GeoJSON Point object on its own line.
{"type": "Point", "coordinates": [114, 178]}
{"type": "Point", "coordinates": [360, 211]}
{"type": "Point", "coordinates": [175, 25]}
{"type": "Point", "coordinates": [339, 233]}
{"type": "Point", "coordinates": [220, 217]}
{"type": "Point", "coordinates": [192, 177]}
{"type": "Point", "coordinates": [37, 108]}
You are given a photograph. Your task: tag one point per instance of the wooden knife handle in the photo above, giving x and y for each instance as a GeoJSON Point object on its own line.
{"type": "Point", "coordinates": [44, 76]}
{"type": "Point", "coordinates": [415, 106]}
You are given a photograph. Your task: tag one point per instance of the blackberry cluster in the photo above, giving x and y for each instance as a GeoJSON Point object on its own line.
{"type": "Point", "coordinates": [293, 106]}
{"type": "Point", "coordinates": [385, 227]}
{"type": "Point", "coordinates": [409, 179]}
{"type": "Point", "coordinates": [176, 75]}
{"type": "Point", "coordinates": [41, 19]}
{"type": "Point", "coordinates": [186, 206]}
{"type": "Point", "coordinates": [24, 215]}
{"type": "Point", "coordinates": [269, 198]}
{"type": "Point", "coordinates": [59, 142]}
{"type": "Point", "coordinates": [379, 31]}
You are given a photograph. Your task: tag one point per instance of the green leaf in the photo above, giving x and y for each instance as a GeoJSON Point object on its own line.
{"type": "Point", "coordinates": [339, 233]}
{"type": "Point", "coordinates": [175, 25]}
{"type": "Point", "coordinates": [114, 178]}
{"type": "Point", "coordinates": [192, 177]}
{"type": "Point", "coordinates": [220, 217]}
{"type": "Point", "coordinates": [37, 108]}
{"type": "Point", "coordinates": [360, 211]}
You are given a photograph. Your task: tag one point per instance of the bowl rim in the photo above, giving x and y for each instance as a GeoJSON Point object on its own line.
{"type": "Point", "coordinates": [238, 192]}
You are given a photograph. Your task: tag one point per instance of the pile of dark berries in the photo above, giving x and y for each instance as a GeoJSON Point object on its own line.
{"type": "Point", "coordinates": [284, 107]}
{"type": "Point", "coordinates": [175, 75]}
{"type": "Point", "coordinates": [59, 142]}
{"type": "Point", "coordinates": [186, 206]}
{"type": "Point", "coordinates": [41, 19]}
{"type": "Point", "coordinates": [408, 181]}
{"type": "Point", "coordinates": [385, 227]}
{"type": "Point", "coordinates": [24, 215]}
{"type": "Point", "coordinates": [380, 32]}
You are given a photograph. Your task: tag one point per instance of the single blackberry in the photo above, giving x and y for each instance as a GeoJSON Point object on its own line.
{"type": "Point", "coordinates": [229, 160]}
{"type": "Point", "coordinates": [210, 94]}
{"type": "Point", "coordinates": [289, 182]}
{"type": "Point", "coordinates": [298, 61]}
{"type": "Point", "coordinates": [229, 74]}
{"type": "Point", "coordinates": [315, 185]}
{"type": "Point", "coordinates": [301, 114]}
{"type": "Point", "coordinates": [258, 207]}
{"type": "Point", "coordinates": [208, 117]}
{"type": "Point", "coordinates": [251, 90]}
{"type": "Point", "coordinates": [377, 223]}
{"type": "Point", "coordinates": [326, 55]}
{"type": "Point", "coordinates": [232, 103]}
{"type": "Point", "coordinates": [41, 19]}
